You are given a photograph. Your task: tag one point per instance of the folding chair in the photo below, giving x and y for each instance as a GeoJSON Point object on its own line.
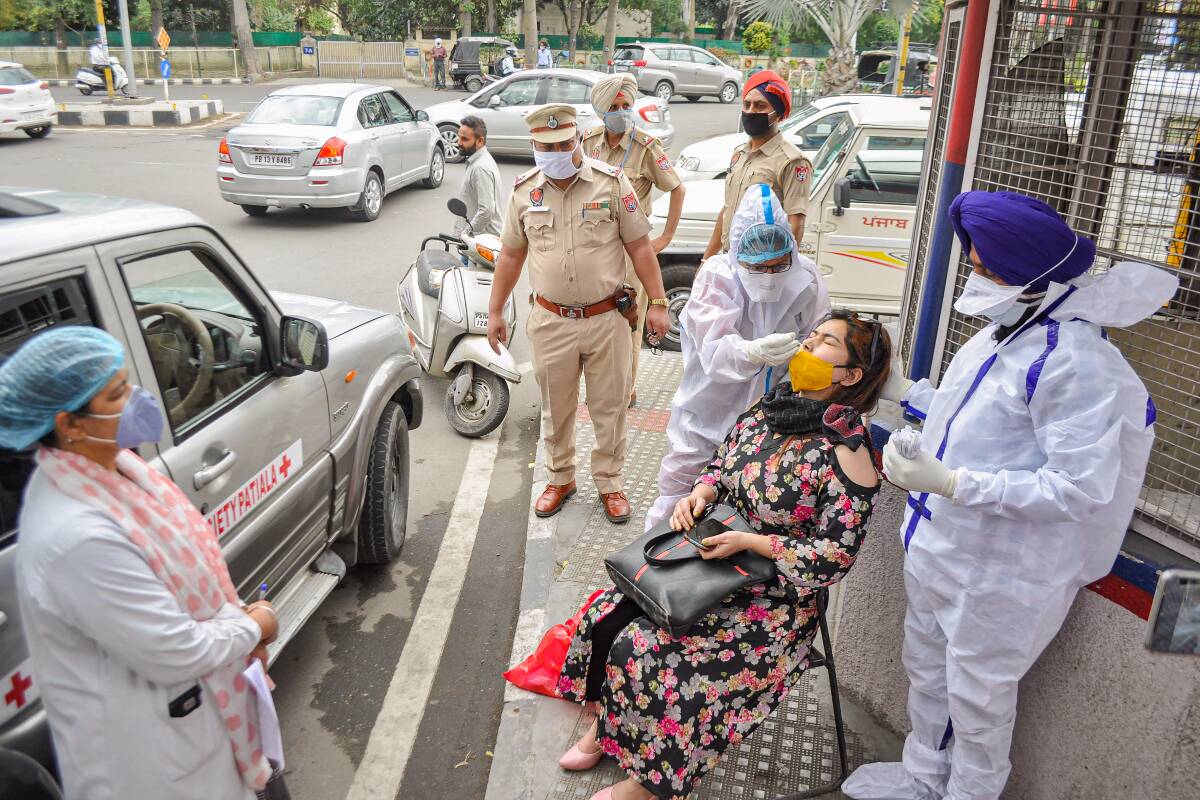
{"type": "Point", "coordinates": [824, 658]}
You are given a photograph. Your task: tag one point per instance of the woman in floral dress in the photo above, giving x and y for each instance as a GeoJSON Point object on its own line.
{"type": "Point", "coordinates": [795, 466]}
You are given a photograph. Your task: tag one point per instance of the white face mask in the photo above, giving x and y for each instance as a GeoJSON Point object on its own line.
{"type": "Point", "coordinates": [555, 163]}
{"type": "Point", "coordinates": [983, 297]}
{"type": "Point", "coordinates": [762, 287]}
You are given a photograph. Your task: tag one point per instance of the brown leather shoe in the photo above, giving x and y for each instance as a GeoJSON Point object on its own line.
{"type": "Point", "coordinates": [616, 507]}
{"type": "Point", "coordinates": [632, 399]}
{"type": "Point", "coordinates": [552, 499]}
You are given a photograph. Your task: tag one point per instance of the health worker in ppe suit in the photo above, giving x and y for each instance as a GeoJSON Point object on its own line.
{"type": "Point", "coordinates": [750, 309]}
{"type": "Point", "coordinates": [1033, 451]}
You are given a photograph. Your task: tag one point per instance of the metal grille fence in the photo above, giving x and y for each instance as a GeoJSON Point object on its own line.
{"type": "Point", "coordinates": [360, 59]}
{"type": "Point", "coordinates": [1094, 106]}
{"type": "Point", "coordinates": [934, 158]}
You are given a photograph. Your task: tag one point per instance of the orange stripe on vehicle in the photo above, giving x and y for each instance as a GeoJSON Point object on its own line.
{"type": "Point", "coordinates": [872, 261]}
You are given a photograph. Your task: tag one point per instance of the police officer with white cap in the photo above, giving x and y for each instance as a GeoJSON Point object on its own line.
{"type": "Point", "coordinates": [574, 219]}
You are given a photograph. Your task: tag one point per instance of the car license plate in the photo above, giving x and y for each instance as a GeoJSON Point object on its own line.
{"type": "Point", "coordinates": [33, 114]}
{"type": "Point", "coordinates": [271, 160]}
{"type": "Point", "coordinates": [623, 67]}
{"type": "Point", "coordinates": [17, 691]}
{"type": "Point", "coordinates": [481, 319]}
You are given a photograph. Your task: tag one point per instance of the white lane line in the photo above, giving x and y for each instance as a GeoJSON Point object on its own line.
{"type": "Point", "coordinates": [395, 730]}
{"type": "Point", "coordinates": [530, 627]}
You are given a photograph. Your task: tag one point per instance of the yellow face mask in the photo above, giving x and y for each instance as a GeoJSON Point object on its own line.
{"type": "Point", "coordinates": [809, 373]}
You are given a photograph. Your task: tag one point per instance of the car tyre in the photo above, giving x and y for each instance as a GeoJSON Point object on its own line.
{"type": "Point", "coordinates": [728, 92]}
{"type": "Point", "coordinates": [437, 169]}
{"type": "Point", "coordinates": [693, 98]}
{"type": "Point", "coordinates": [370, 202]}
{"type": "Point", "coordinates": [449, 134]}
{"type": "Point", "coordinates": [487, 411]}
{"type": "Point", "coordinates": [677, 281]}
{"type": "Point", "coordinates": [663, 91]}
{"type": "Point", "coordinates": [38, 132]}
{"type": "Point", "coordinates": [384, 521]}
{"type": "Point", "coordinates": [473, 85]}
{"type": "Point", "coordinates": [255, 211]}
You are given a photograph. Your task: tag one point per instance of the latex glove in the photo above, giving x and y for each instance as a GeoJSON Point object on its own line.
{"type": "Point", "coordinates": [773, 350]}
{"type": "Point", "coordinates": [921, 474]}
{"type": "Point", "coordinates": [897, 384]}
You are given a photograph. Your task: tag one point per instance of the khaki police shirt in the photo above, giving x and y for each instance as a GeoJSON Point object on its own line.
{"type": "Point", "coordinates": [777, 163]}
{"type": "Point", "coordinates": [645, 163]}
{"type": "Point", "coordinates": [575, 238]}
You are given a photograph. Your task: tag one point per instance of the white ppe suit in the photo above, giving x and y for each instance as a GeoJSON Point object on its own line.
{"type": "Point", "coordinates": [719, 380]}
{"type": "Point", "coordinates": [1049, 433]}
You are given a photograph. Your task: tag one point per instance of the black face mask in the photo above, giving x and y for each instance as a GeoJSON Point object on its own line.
{"type": "Point", "coordinates": [756, 125]}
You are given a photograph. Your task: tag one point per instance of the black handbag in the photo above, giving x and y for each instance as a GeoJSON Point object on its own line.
{"type": "Point", "coordinates": [665, 575]}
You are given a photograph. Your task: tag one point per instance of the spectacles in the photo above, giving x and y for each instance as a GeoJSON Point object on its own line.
{"type": "Point", "coordinates": [768, 269]}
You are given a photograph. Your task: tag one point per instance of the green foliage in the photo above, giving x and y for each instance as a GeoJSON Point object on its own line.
{"type": "Point", "coordinates": [757, 38]}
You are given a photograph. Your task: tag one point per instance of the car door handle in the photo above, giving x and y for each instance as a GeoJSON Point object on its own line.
{"type": "Point", "coordinates": [207, 474]}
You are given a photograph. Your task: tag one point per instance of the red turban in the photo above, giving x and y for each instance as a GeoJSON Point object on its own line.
{"type": "Point", "coordinates": [774, 88]}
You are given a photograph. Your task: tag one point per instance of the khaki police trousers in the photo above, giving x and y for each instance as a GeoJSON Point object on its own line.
{"type": "Point", "coordinates": [598, 349]}
{"type": "Point", "coordinates": [643, 303]}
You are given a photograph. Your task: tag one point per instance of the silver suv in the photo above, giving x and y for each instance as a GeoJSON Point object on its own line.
{"type": "Point", "coordinates": [669, 69]}
{"type": "Point", "coordinates": [288, 415]}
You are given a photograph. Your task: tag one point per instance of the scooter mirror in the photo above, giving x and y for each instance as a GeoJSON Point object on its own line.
{"type": "Point", "coordinates": [457, 207]}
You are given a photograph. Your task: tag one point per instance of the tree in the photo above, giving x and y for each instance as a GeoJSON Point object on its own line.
{"type": "Point", "coordinates": [840, 21]}
{"type": "Point", "coordinates": [731, 20]}
{"type": "Point", "coordinates": [244, 40]}
{"type": "Point", "coordinates": [529, 18]}
{"type": "Point", "coordinates": [610, 28]}
{"type": "Point", "coordinates": [757, 37]}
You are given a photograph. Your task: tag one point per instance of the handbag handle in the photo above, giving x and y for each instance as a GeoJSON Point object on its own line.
{"type": "Point", "coordinates": [655, 542]}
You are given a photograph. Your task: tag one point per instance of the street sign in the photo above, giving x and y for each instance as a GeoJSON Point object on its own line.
{"type": "Point", "coordinates": [164, 67]}
{"type": "Point", "coordinates": [308, 51]}
{"type": "Point", "coordinates": [411, 51]}
{"type": "Point", "coordinates": [164, 39]}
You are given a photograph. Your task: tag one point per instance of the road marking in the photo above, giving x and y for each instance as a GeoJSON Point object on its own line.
{"type": "Point", "coordinates": [530, 626]}
{"type": "Point", "coordinates": [395, 730]}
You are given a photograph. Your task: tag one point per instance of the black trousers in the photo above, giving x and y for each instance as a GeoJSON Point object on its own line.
{"type": "Point", "coordinates": [604, 633]}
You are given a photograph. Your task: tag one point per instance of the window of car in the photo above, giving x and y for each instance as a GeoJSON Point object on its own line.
{"type": "Point", "coordinates": [631, 53]}
{"type": "Point", "coordinates": [371, 113]}
{"type": "Point", "coordinates": [568, 90]}
{"type": "Point", "coordinates": [887, 170]}
{"type": "Point", "coordinates": [15, 76]}
{"type": "Point", "coordinates": [205, 342]}
{"type": "Point", "coordinates": [397, 109]}
{"type": "Point", "coordinates": [705, 58]}
{"type": "Point", "coordinates": [519, 93]}
{"type": "Point", "coordinates": [679, 54]}
{"type": "Point", "coordinates": [832, 149]}
{"type": "Point", "coordinates": [296, 109]}
{"type": "Point", "coordinates": [23, 313]}
{"type": "Point", "coordinates": [813, 135]}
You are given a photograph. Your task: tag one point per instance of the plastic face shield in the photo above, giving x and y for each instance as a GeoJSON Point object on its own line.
{"type": "Point", "coordinates": [765, 242]}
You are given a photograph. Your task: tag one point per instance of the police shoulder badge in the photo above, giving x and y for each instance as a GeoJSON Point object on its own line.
{"type": "Point", "coordinates": [630, 201]}
{"type": "Point", "coordinates": [803, 170]}
{"type": "Point", "coordinates": [535, 196]}
{"type": "Point", "coordinates": [663, 162]}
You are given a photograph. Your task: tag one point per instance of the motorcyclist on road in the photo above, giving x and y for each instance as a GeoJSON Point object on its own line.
{"type": "Point", "coordinates": [98, 55]}
{"type": "Point", "coordinates": [507, 64]}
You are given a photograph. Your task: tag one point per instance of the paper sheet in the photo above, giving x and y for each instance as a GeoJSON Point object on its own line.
{"type": "Point", "coordinates": [268, 720]}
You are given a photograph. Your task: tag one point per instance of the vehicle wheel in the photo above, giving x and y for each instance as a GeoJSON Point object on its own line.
{"type": "Point", "coordinates": [255, 211]}
{"type": "Point", "coordinates": [370, 203]}
{"type": "Point", "coordinates": [485, 406]}
{"type": "Point", "coordinates": [125, 89]}
{"type": "Point", "coordinates": [728, 93]}
{"type": "Point", "coordinates": [693, 98]}
{"type": "Point", "coordinates": [40, 132]}
{"type": "Point", "coordinates": [677, 280]}
{"type": "Point", "coordinates": [450, 140]}
{"type": "Point", "coordinates": [437, 170]}
{"type": "Point", "coordinates": [84, 89]}
{"type": "Point", "coordinates": [663, 91]}
{"type": "Point", "coordinates": [473, 85]}
{"type": "Point", "coordinates": [384, 518]}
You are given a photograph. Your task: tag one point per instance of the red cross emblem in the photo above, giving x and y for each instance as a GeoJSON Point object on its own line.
{"type": "Point", "coordinates": [285, 465]}
{"type": "Point", "coordinates": [20, 685]}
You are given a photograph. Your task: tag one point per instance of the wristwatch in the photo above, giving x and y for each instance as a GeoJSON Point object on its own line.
{"type": "Point", "coordinates": [659, 301]}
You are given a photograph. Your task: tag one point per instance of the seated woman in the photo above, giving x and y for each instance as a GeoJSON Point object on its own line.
{"type": "Point", "coordinates": [798, 467]}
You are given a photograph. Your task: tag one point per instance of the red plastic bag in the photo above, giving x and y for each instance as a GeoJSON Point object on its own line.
{"type": "Point", "coordinates": [539, 673]}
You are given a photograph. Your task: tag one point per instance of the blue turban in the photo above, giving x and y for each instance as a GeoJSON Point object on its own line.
{"type": "Point", "coordinates": [59, 369]}
{"type": "Point", "coordinates": [1020, 239]}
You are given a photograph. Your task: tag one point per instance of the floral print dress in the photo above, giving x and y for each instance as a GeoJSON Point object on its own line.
{"type": "Point", "coordinates": [669, 706]}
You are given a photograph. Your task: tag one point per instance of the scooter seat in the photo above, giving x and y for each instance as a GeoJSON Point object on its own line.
{"type": "Point", "coordinates": [429, 262]}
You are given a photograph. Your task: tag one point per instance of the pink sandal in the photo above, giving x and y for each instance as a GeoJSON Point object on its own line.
{"type": "Point", "coordinates": [604, 794]}
{"type": "Point", "coordinates": [576, 760]}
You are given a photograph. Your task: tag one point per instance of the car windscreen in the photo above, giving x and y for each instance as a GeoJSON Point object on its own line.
{"type": "Point", "coordinates": [296, 109]}
{"type": "Point", "coordinates": [627, 54]}
{"type": "Point", "coordinates": [832, 148]}
{"type": "Point", "coordinates": [15, 76]}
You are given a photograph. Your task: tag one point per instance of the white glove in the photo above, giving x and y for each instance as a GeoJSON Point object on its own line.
{"type": "Point", "coordinates": [921, 474]}
{"type": "Point", "coordinates": [897, 385]}
{"type": "Point", "coordinates": [773, 350]}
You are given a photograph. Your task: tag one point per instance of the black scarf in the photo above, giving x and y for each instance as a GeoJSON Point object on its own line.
{"type": "Point", "coordinates": [790, 414]}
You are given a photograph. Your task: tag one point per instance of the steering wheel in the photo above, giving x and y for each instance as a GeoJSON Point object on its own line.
{"type": "Point", "coordinates": [171, 351]}
{"type": "Point", "coordinates": [867, 173]}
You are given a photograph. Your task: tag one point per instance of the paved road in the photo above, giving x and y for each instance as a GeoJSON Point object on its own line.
{"type": "Point", "coordinates": [334, 677]}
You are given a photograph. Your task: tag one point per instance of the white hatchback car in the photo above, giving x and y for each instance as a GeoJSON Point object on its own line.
{"type": "Point", "coordinates": [25, 102]}
{"type": "Point", "coordinates": [807, 128]}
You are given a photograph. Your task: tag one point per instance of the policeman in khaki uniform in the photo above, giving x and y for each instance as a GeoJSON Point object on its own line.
{"type": "Point", "coordinates": [767, 158]}
{"type": "Point", "coordinates": [574, 219]}
{"type": "Point", "coordinates": [639, 157]}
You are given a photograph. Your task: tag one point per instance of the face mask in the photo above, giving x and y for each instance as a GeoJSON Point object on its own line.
{"type": "Point", "coordinates": [985, 298]}
{"type": "Point", "coordinates": [761, 287]}
{"type": "Point", "coordinates": [141, 420]}
{"type": "Point", "coordinates": [810, 373]}
{"type": "Point", "coordinates": [619, 121]}
{"type": "Point", "coordinates": [756, 125]}
{"type": "Point", "coordinates": [556, 164]}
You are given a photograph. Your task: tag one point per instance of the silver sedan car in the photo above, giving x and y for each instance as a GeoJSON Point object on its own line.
{"type": "Point", "coordinates": [329, 145]}
{"type": "Point", "coordinates": [502, 106]}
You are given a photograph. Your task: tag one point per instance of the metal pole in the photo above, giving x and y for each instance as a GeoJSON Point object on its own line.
{"type": "Point", "coordinates": [166, 82]}
{"type": "Point", "coordinates": [102, 32]}
{"type": "Point", "coordinates": [127, 44]}
{"type": "Point", "coordinates": [902, 52]}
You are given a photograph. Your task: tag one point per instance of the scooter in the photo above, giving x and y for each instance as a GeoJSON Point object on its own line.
{"type": "Point", "coordinates": [444, 304]}
{"type": "Point", "coordinates": [88, 80]}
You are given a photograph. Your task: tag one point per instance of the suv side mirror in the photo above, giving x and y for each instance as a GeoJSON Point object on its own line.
{"type": "Point", "coordinates": [304, 345]}
{"type": "Point", "coordinates": [841, 196]}
{"type": "Point", "coordinates": [422, 116]}
{"type": "Point", "coordinates": [494, 101]}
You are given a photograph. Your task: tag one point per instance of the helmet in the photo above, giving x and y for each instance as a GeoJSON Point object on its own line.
{"type": "Point", "coordinates": [512, 51]}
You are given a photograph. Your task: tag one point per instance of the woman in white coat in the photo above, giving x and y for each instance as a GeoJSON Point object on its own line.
{"type": "Point", "coordinates": [1031, 458]}
{"type": "Point", "coordinates": [137, 636]}
{"type": "Point", "coordinates": [749, 311]}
